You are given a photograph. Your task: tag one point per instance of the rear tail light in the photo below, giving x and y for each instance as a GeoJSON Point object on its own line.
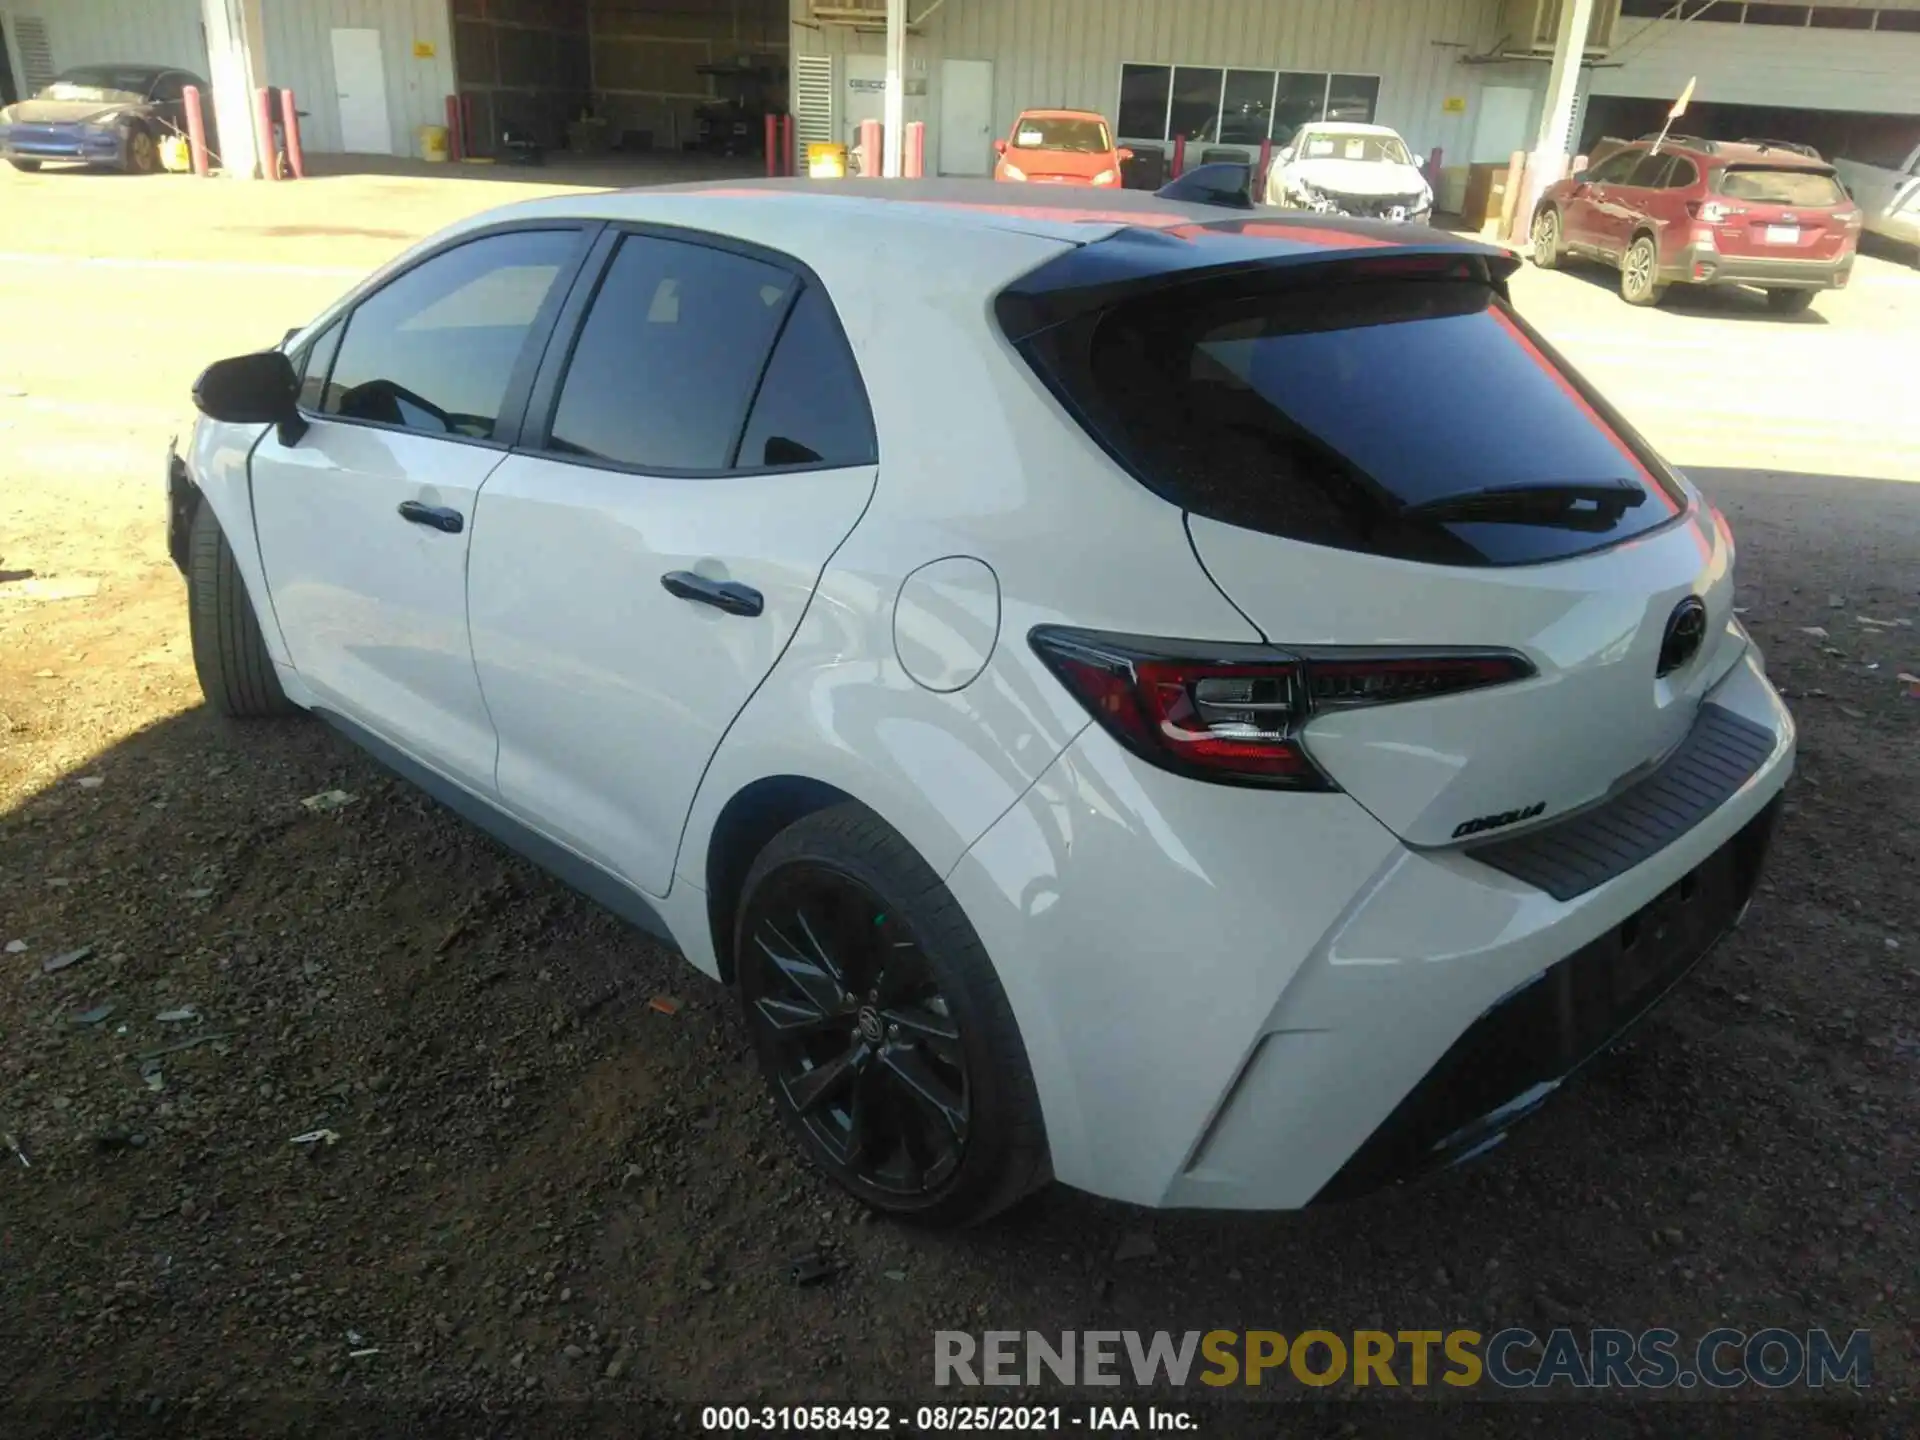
{"type": "Point", "coordinates": [1711, 211]}
{"type": "Point", "coordinates": [1234, 713]}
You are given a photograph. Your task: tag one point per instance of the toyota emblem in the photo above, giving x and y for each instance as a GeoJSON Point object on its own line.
{"type": "Point", "coordinates": [1686, 630]}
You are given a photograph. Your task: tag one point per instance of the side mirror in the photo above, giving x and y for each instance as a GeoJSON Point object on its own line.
{"type": "Point", "coordinates": [1582, 177]}
{"type": "Point", "coordinates": [999, 147]}
{"type": "Point", "coordinates": [1419, 162]}
{"type": "Point", "coordinates": [1123, 154]}
{"type": "Point", "coordinates": [251, 390]}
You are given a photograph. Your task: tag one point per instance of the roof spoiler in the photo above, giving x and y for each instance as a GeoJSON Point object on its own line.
{"type": "Point", "coordinates": [1228, 185]}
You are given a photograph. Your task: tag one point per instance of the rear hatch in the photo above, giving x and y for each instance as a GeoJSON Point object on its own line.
{"type": "Point", "coordinates": [1779, 212]}
{"type": "Point", "coordinates": [1378, 458]}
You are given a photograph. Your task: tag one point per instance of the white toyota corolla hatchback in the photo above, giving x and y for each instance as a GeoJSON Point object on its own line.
{"type": "Point", "coordinates": [1204, 706]}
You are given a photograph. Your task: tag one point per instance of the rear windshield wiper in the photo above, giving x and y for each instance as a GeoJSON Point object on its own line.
{"type": "Point", "coordinates": [1568, 506]}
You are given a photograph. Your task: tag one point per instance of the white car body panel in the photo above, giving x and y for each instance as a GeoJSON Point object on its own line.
{"type": "Point", "coordinates": [1889, 198]}
{"type": "Point", "coordinates": [371, 607]}
{"type": "Point", "coordinates": [566, 601]}
{"type": "Point", "coordinates": [1222, 991]}
{"type": "Point", "coordinates": [1348, 962]}
{"type": "Point", "coordinates": [1593, 715]}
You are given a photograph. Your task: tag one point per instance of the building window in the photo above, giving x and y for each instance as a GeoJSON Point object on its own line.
{"type": "Point", "coordinates": [1300, 100]}
{"type": "Point", "coordinates": [1237, 107]}
{"type": "Point", "coordinates": [1791, 15]}
{"type": "Point", "coordinates": [1353, 98]}
{"type": "Point", "coordinates": [1246, 112]}
{"type": "Point", "coordinates": [1649, 9]}
{"type": "Point", "coordinates": [1196, 102]}
{"type": "Point", "coordinates": [1907, 20]}
{"type": "Point", "coordinates": [1838, 17]}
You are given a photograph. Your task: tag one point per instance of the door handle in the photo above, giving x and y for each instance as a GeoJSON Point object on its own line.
{"type": "Point", "coordinates": [437, 517]}
{"type": "Point", "coordinates": [725, 595]}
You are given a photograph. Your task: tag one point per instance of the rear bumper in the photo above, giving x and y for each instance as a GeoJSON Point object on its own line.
{"type": "Point", "coordinates": [1235, 999]}
{"type": "Point", "coordinates": [1703, 265]}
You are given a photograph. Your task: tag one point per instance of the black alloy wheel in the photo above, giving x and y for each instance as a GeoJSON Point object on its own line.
{"type": "Point", "coordinates": [881, 1025]}
{"type": "Point", "coordinates": [865, 1048]}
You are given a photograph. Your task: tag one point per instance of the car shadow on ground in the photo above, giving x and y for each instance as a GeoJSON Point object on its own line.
{"type": "Point", "coordinates": [1718, 302]}
{"type": "Point", "coordinates": [554, 1150]}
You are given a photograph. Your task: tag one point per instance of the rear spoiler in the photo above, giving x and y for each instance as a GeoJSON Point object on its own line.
{"type": "Point", "coordinates": [1227, 185]}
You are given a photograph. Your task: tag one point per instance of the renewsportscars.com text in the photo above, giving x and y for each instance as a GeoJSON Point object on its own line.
{"type": "Point", "coordinates": [1511, 1359]}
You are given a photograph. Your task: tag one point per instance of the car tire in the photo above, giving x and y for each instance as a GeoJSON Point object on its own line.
{"type": "Point", "coordinates": [1546, 239]}
{"type": "Point", "coordinates": [1789, 302]}
{"type": "Point", "coordinates": [143, 154]}
{"type": "Point", "coordinates": [229, 656]}
{"type": "Point", "coordinates": [1640, 273]}
{"type": "Point", "coordinates": [20, 163]}
{"type": "Point", "coordinates": [881, 1027]}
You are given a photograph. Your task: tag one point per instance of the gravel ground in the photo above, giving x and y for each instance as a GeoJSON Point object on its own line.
{"type": "Point", "coordinates": [550, 1170]}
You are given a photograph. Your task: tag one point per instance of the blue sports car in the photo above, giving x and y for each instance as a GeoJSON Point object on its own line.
{"type": "Point", "coordinates": [109, 115]}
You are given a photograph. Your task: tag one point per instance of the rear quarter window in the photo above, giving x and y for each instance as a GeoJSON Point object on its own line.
{"type": "Point", "coordinates": [1324, 411]}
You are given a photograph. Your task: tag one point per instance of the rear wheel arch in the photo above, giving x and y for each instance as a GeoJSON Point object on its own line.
{"type": "Point", "coordinates": [746, 825]}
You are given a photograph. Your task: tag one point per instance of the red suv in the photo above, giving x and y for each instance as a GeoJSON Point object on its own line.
{"type": "Point", "coordinates": [1705, 212]}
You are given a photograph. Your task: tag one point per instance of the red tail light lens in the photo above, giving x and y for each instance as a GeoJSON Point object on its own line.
{"type": "Point", "coordinates": [1234, 713]}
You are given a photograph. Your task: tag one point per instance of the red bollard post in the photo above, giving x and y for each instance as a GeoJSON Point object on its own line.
{"type": "Point", "coordinates": [789, 161]}
{"type": "Point", "coordinates": [290, 124]}
{"type": "Point", "coordinates": [1179, 156]}
{"type": "Point", "coordinates": [914, 162]}
{"type": "Point", "coordinates": [1266, 164]}
{"type": "Point", "coordinates": [773, 145]}
{"type": "Point", "coordinates": [456, 132]}
{"type": "Point", "coordinates": [872, 159]}
{"type": "Point", "coordinates": [196, 129]}
{"type": "Point", "coordinates": [263, 127]}
{"type": "Point", "coordinates": [466, 125]}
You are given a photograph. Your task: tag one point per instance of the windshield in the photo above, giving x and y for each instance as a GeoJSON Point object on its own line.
{"type": "Point", "coordinates": [1378, 149]}
{"type": "Point", "coordinates": [99, 83]}
{"type": "Point", "coordinates": [1052, 132]}
{"type": "Point", "coordinates": [1813, 189]}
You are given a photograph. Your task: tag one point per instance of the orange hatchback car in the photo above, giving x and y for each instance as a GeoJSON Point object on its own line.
{"type": "Point", "coordinates": [1060, 147]}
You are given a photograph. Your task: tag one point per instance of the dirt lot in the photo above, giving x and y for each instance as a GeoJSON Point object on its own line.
{"type": "Point", "coordinates": [546, 1186]}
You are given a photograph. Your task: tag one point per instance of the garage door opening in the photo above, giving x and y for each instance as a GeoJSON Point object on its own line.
{"type": "Point", "coordinates": [605, 80]}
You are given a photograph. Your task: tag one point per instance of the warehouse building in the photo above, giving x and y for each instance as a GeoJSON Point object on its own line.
{"type": "Point", "coordinates": [1468, 77]}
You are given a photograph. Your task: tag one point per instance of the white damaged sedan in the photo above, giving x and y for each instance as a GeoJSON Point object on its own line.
{"type": "Point", "coordinates": [1348, 169]}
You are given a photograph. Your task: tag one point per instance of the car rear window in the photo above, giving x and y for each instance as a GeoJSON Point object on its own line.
{"type": "Point", "coordinates": [1324, 409]}
{"type": "Point", "coordinates": [1811, 189]}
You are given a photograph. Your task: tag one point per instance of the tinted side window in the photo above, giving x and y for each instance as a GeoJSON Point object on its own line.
{"type": "Point", "coordinates": [166, 90]}
{"type": "Point", "coordinates": [435, 350]}
{"type": "Point", "coordinates": [812, 408]}
{"type": "Point", "coordinates": [1651, 171]}
{"type": "Point", "coordinates": [669, 357]}
{"type": "Point", "coordinates": [315, 366]}
{"type": "Point", "coordinates": [1684, 175]}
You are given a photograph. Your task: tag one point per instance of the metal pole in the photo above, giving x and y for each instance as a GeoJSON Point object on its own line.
{"type": "Point", "coordinates": [290, 124]}
{"type": "Point", "coordinates": [236, 58]}
{"type": "Point", "coordinates": [1553, 144]}
{"type": "Point", "coordinates": [892, 141]}
{"type": "Point", "coordinates": [196, 128]}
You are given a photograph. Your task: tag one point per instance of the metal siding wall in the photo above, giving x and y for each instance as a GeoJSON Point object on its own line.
{"type": "Point", "coordinates": [1868, 71]}
{"type": "Point", "coordinates": [300, 56]}
{"type": "Point", "coordinates": [93, 32]}
{"type": "Point", "coordinates": [1069, 52]}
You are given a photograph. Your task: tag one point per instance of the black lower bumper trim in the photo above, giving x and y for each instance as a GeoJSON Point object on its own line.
{"type": "Point", "coordinates": [1510, 1060]}
{"type": "Point", "coordinates": [1582, 852]}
